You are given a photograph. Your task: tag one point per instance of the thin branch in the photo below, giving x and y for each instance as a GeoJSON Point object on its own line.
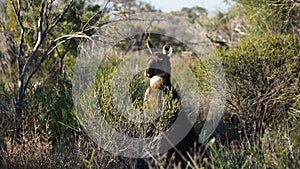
{"type": "Point", "coordinates": [20, 49]}
{"type": "Point", "coordinates": [17, 12]}
{"type": "Point", "coordinates": [62, 56]}
{"type": "Point", "coordinates": [47, 13]}
{"type": "Point", "coordinates": [70, 36]}
{"type": "Point", "coordinates": [86, 24]}
{"type": "Point", "coordinates": [61, 16]}
{"type": "Point", "coordinates": [101, 12]}
{"type": "Point", "coordinates": [40, 34]}
{"type": "Point", "coordinates": [37, 67]}
{"type": "Point", "coordinates": [40, 37]}
{"type": "Point", "coordinates": [66, 38]}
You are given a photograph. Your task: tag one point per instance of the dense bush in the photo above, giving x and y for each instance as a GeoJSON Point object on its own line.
{"type": "Point", "coordinates": [263, 79]}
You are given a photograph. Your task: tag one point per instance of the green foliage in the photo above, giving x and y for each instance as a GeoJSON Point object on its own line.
{"type": "Point", "coordinates": [199, 71]}
{"type": "Point", "coordinates": [108, 110]}
{"type": "Point", "coordinates": [53, 102]}
{"type": "Point", "coordinates": [272, 15]}
{"type": "Point", "coordinates": [11, 23]}
{"type": "Point", "coordinates": [263, 78]}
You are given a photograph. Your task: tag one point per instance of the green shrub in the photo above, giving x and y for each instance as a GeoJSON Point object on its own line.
{"type": "Point", "coordinates": [263, 79]}
{"type": "Point", "coordinates": [106, 106]}
{"type": "Point", "coordinates": [267, 16]}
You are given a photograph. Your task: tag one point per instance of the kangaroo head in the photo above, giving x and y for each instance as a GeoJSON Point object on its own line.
{"type": "Point", "coordinates": [159, 67]}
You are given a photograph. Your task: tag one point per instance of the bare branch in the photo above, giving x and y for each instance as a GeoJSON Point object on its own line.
{"type": "Point", "coordinates": [50, 50]}
{"type": "Point", "coordinates": [61, 57]}
{"type": "Point", "coordinates": [47, 13]}
{"type": "Point", "coordinates": [40, 37]}
{"type": "Point", "coordinates": [20, 49]}
{"type": "Point", "coordinates": [70, 5]}
{"type": "Point", "coordinates": [40, 34]}
{"type": "Point", "coordinates": [70, 36]}
{"type": "Point", "coordinates": [65, 38]}
{"type": "Point", "coordinates": [101, 12]}
{"type": "Point", "coordinates": [37, 67]}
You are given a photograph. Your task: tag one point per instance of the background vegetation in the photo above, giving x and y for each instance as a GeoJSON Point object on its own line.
{"type": "Point", "coordinates": [257, 41]}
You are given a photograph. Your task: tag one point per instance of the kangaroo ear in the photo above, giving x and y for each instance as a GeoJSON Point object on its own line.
{"type": "Point", "coordinates": [150, 46]}
{"type": "Point", "coordinates": [167, 50]}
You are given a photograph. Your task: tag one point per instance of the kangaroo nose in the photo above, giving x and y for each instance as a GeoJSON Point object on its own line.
{"type": "Point", "coordinates": [149, 73]}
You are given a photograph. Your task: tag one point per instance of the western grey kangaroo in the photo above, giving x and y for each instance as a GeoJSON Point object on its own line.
{"type": "Point", "coordinates": [160, 97]}
{"type": "Point", "coordinates": [159, 71]}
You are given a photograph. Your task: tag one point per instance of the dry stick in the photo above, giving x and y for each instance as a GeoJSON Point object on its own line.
{"type": "Point", "coordinates": [191, 158]}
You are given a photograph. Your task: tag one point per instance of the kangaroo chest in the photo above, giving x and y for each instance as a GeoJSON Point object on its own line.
{"type": "Point", "coordinates": [154, 93]}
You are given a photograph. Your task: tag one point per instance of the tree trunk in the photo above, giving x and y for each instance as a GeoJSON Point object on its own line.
{"type": "Point", "coordinates": [18, 110]}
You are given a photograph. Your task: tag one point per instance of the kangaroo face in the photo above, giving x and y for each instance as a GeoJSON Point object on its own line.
{"type": "Point", "coordinates": [158, 67]}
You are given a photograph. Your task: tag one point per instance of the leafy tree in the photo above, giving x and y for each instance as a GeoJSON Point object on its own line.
{"type": "Point", "coordinates": [44, 32]}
